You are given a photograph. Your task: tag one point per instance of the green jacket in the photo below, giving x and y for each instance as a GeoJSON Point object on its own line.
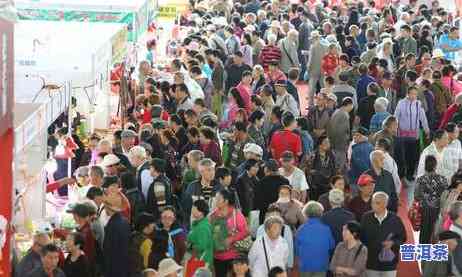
{"type": "Point", "coordinates": [200, 239]}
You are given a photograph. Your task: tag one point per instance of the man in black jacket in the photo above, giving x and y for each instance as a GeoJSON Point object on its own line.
{"type": "Point", "coordinates": [160, 191]}
{"type": "Point", "coordinates": [338, 216]}
{"type": "Point", "coordinates": [267, 189]}
{"type": "Point", "coordinates": [383, 179]}
{"type": "Point", "coordinates": [382, 231]}
{"type": "Point", "coordinates": [246, 184]}
{"type": "Point", "coordinates": [116, 240]}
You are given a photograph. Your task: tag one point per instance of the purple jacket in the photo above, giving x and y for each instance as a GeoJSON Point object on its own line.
{"type": "Point", "coordinates": [411, 116]}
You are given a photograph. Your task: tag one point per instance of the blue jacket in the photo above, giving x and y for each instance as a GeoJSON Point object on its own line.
{"type": "Point", "coordinates": [360, 160]}
{"type": "Point", "coordinates": [314, 237]}
{"type": "Point", "coordinates": [377, 120]}
{"type": "Point", "coordinates": [361, 86]}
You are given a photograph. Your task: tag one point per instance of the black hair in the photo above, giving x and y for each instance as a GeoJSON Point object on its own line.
{"type": "Point", "coordinates": [193, 131]}
{"type": "Point", "coordinates": [79, 239]}
{"type": "Point", "coordinates": [455, 180]}
{"type": "Point", "coordinates": [182, 87]}
{"type": "Point", "coordinates": [202, 206]}
{"type": "Point", "coordinates": [228, 196]}
{"type": "Point", "coordinates": [177, 119]}
{"type": "Point", "coordinates": [430, 163]}
{"type": "Point", "coordinates": [196, 70]}
{"type": "Point", "coordinates": [411, 75]}
{"type": "Point", "coordinates": [222, 172]}
{"type": "Point", "coordinates": [322, 138]}
{"type": "Point", "coordinates": [200, 102]}
{"type": "Point", "coordinates": [287, 119]}
{"type": "Point", "coordinates": [276, 111]}
{"type": "Point", "coordinates": [303, 123]}
{"type": "Point", "coordinates": [93, 192]}
{"type": "Point", "coordinates": [250, 163]}
{"type": "Point", "coordinates": [240, 126]}
{"type": "Point", "coordinates": [451, 127]}
{"type": "Point", "coordinates": [354, 228]}
{"type": "Point", "coordinates": [208, 133]}
{"type": "Point", "coordinates": [438, 134]}
{"type": "Point", "coordinates": [237, 96]}
{"type": "Point", "coordinates": [256, 115]}
{"type": "Point", "coordinates": [49, 248]}
{"type": "Point", "coordinates": [128, 180]}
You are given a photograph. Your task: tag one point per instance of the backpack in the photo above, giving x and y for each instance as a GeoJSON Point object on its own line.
{"type": "Point", "coordinates": [219, 233]}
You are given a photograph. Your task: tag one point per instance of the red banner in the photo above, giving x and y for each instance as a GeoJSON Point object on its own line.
{"type": "Point", "coordinates": [6, 142]}
{"type": "Point", "coordinates": [6, 75]}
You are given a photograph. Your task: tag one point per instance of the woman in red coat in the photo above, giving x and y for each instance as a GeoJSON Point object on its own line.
{"type": "Point", "coordinates": [330, 61]}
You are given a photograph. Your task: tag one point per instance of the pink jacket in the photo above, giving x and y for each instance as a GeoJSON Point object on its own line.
{"type": "Point", "coordinates": [454, 88]}
{"type": "Point", "coordinates": [237, 230]}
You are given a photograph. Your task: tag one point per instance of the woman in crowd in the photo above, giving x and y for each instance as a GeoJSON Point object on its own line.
{"type": "Point", "coordinates": [290, 208]}
{"type": "Point", "coordinates": [428, 191]}
{"type": "Point", "coordinates": [176, 233]}
{"type": "Point", "coordinates": [201, 232]}
{"type": "Point", "coordinates": [270, 249]}
{"type": "Point", "coordinates": [337, 182]}
{"type": "Point", "coordinates": [350, 256]}
{"type": "Point", "coordinates": [236, 230]}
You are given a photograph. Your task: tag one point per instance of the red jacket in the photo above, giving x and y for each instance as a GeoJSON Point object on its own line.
{"type": "Point", "coordinates": [329, 64]}
{"type": "Point", "coordinates": [447, 116]}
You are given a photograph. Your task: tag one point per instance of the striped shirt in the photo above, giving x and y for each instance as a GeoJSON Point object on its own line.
{"type": "Point", "coordinates": [269, 53]}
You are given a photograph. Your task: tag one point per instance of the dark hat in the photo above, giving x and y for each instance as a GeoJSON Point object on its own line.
{"type": "Point", "coordinates": [363, 131]}
{"type": "Point", "coordinates": [80, 209]}
{"type": "Point", "coordinates": [272, 165]}
{"type": "Point", "coordinates": [287, 156]}
{"type": "Point", "coordinates": [110, 180]}
{"type": "Point", "coordinates": [446, 235]}
{"type": "Point", "coordinates": [280, 83]}
{"type": "Point", "coordinates": [144, 220]}
{"type": "Point", "coordinates": [159, 164]}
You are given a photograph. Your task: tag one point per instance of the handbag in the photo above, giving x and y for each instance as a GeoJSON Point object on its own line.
{"type": "Point", "coordinates": [242, 246]}
{"type": "Point", "coordinates": [386, 255]}
{"type": "Point", "coordinates": [194, 264]}
{"type": "Point", "coordinates": [415, 215]}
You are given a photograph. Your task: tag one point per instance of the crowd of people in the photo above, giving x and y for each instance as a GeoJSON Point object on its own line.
{"type": "Point", "coordinates": [227, 170]}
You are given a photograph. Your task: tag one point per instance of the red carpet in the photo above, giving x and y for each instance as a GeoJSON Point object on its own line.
{"type": "Point", "coordinates": [407, 269]}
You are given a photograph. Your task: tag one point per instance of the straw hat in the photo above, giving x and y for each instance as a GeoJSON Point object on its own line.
{"type": "Point", "coordinates": [168, 266]}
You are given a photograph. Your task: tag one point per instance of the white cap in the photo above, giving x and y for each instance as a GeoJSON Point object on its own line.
{"type": "Point", "coordinates": [253, 148]}
{"type": "Point", "coordinates": [110, 159]}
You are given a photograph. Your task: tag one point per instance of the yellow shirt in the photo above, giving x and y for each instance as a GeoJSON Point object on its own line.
{"type": "Point", "coordinates": [145, 250]}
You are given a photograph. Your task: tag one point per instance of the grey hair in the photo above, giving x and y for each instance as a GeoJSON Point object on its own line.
{"type": "Point", "coordinates": [206, 163]}
{"type": "Point", "coordinates": [381, 104]}
{"type": "Point", "coordinates": [455, 210]}
{"type": "Point", "coordinates": [313, 209]}
{"type": "Point", "coordinates": [336, 197]}
{"type": "Point", "coordinates": [197, 155]}
{"type": "Point", "coordinates": [380, 194]}
{"type": "Point", "coordinates": [271, 220]}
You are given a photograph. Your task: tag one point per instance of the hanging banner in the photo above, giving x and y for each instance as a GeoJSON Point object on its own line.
{"type": "Point", "coordinates": [6, 142]}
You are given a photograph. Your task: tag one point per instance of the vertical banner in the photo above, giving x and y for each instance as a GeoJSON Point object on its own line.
{"type": "Point", "coordinates": [6, 142]}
